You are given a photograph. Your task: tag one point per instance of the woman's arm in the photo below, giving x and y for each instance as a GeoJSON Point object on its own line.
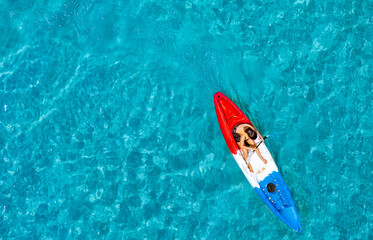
{"type": "Point", "coordinates": [242, 143]}
{"type": "Point", "coordinates": [252, 148]}
{"type": "Point", "coordinates": [243, 146]}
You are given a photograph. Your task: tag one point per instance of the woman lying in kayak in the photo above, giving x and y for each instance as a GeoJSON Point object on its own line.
{"type": "Point", "coordinates": [245, 134]}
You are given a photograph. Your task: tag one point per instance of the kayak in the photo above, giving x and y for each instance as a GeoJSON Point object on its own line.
{"type": "Point", "coordinates": [265, 178]}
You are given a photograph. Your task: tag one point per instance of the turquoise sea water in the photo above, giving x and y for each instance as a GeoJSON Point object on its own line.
{"type": "Point", "coordinates": [108, 129]}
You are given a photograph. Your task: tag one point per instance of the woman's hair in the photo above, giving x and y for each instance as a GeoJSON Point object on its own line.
{"type": "Point", "coordinates": [237, 137]}
{"type": "Point", "coordinates": [251, 133]}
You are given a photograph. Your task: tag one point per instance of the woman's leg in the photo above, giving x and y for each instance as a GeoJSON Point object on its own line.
{"type": "Point", "coordinates": [249, 166]}
{"type": "Point", "coordinates": [260, 155]}
{"type": "Point", "coordinates": [245, 154]}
